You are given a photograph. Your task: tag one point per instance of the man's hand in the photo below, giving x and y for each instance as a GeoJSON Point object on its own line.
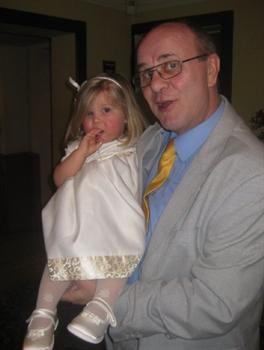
{"type": "Point", "coordinates": [80, 292]}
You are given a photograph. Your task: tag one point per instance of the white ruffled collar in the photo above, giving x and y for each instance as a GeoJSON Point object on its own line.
{"type": "Point", "coordinates": [110, 149]}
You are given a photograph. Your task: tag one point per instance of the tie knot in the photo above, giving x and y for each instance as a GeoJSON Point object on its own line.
{"type": "Point", "coordinates": [170, 150]}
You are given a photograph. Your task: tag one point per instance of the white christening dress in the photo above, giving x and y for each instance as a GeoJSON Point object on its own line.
{"type": "Point", "coordinates": [93, 225]}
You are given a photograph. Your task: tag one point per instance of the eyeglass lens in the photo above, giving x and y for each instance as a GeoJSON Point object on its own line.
{"type": "Point", "coordinates": [166, 70]}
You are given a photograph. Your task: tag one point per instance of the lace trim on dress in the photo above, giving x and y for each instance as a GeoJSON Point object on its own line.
{"type": "Point", "coordinates": [95, 267]}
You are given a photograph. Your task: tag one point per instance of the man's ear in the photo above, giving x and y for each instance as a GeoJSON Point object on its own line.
{"type": "Point", "coordinates": [213, 67]}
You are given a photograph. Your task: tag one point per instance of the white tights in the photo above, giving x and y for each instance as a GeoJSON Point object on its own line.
{"type": "Point", "coordinates": [50, 293]}
{"type": "Point", "coordinates": [107, 289]}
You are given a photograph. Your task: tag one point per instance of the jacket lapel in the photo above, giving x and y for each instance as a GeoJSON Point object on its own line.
{"type": "Point", "coordinates": [177, 210]}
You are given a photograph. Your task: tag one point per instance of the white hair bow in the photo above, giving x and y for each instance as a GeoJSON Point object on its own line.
{"type": "Point", "coordinates": [74, 83]}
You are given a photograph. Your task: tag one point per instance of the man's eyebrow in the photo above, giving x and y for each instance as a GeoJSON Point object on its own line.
{"type": "Point", "coordinates": [142, 66]}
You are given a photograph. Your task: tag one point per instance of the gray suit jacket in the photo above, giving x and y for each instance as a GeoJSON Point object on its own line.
{"type": "Point", "coordinates": [203, 274]}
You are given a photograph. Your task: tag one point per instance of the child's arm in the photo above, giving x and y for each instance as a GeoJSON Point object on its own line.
{"type": "Point", "coordinates": [73, 163]}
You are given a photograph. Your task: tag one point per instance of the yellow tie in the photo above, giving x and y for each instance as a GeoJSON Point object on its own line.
{"type": "Point", "coordinates": [164, 168]}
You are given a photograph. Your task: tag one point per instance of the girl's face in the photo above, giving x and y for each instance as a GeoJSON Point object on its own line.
{"type": "Point", "coordinates": [106, 117]}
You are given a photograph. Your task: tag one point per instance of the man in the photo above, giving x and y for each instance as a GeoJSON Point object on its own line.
{"type": "Point", "coordinates": [200, 284]}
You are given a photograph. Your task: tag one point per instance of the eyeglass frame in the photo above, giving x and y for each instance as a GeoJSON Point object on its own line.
{"type": "Point", "coordinates": [136, 78]}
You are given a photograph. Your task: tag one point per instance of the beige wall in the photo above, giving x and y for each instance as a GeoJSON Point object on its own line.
{"type": "Point", "coordinates": [108, 31]}
{"type": "Point", "coordinates": [248, 46]}
{"type": "Point", "coordinates": [108, 37]}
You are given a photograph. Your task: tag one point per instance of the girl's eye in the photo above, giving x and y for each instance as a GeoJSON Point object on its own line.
{"type": "Point", "coordinates": [89, 114]}
{"type": "Point", "coordinates": [106, 109]}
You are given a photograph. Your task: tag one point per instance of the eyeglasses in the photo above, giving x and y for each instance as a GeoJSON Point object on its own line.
{"type": "Point", "coordinates": [166, 70]}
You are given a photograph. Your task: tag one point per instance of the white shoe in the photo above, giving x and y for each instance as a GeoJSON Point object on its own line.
{"type": "Point", "coordinates": [41, 338]}
{"type": "Point", "coordinates": [90, 327]}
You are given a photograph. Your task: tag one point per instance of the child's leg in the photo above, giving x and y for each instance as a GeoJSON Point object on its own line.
{"type": "Point", "coordinates": [43, 320]}
{"type": "Point", "coordinates": [50, 292]}
{"type": "Point", "coordinates": [107, 289]}
{"type": "Point", "coordinates": [96, 316]}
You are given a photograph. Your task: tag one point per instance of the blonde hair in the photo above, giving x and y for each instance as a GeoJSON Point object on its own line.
{"type": "Point", "coordinates": [118, 88]}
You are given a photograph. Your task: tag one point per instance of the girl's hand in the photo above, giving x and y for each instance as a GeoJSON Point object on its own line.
{"type": "Point", "coordinates": [73, 163]}
{"type": "Point", "coordinates": [89, 143]}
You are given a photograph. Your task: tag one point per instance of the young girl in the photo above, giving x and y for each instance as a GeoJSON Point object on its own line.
{"type": "Point", "coordinates": [93, 226]}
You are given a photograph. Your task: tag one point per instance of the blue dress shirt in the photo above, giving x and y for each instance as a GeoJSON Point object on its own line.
{"type": "Point", "coordinates": [187, 146]}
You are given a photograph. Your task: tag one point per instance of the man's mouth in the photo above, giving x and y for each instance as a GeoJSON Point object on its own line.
{"type": "Point", "coordinates": [163, 106]}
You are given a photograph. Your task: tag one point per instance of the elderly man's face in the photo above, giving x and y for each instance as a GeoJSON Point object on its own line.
{"type": "Point", "coordinates": [182, 102]}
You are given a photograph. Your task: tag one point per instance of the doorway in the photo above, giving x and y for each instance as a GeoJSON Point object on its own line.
{"type": "Point", "coordinates": [37, 55]}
